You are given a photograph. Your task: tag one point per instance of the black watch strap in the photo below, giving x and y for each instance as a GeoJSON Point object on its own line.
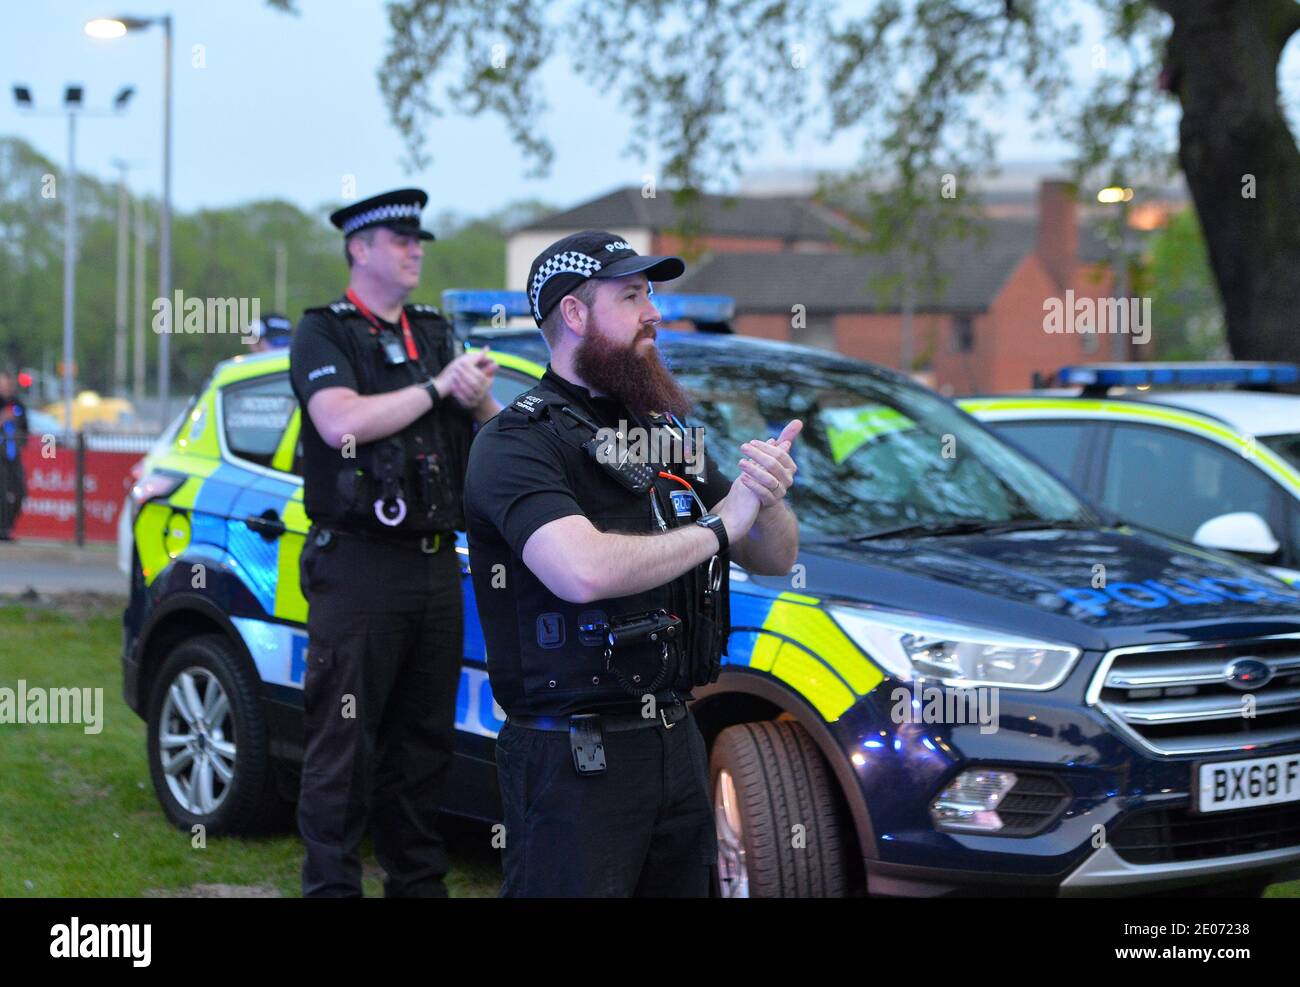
{"type": "Point", "coordinates": [714, 524]}
{"type": "Point", "coordinates": [429, 385]}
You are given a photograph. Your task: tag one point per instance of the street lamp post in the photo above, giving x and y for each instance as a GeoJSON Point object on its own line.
{"type": "Point", "coordinates": [123, 261]}
{"type": "Point", "coordinates": [116, 27]}
{"type": "Point", "coordinates": [1120, 196]}
{"type": "Point", "coordinates": [72, 100]}
{"type": "Point", "coordinates": [138, 367]}
{"type": "Point", "coordinates": [72, 96]}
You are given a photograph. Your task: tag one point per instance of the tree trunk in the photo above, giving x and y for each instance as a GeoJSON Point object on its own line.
{"type": "Point", "coordinates": [1222, 64]}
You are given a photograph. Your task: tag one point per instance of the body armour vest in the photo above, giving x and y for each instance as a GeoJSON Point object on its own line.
{"type": "Point", "coordinates": [564, 650]}
{"type": "Point", "coordinates": [412, 482]}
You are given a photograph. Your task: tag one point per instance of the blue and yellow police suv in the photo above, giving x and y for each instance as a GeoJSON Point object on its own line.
{"type": "Point", "coordinates": [971, 680]}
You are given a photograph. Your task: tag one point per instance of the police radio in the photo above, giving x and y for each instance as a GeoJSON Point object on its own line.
{"type": "Point", "coordinates": [635, 476]}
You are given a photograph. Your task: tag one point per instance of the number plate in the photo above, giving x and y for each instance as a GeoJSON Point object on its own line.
{"type": "Point", "coordinates": [1243, 784]}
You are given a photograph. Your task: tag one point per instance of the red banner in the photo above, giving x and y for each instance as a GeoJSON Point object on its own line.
{"type": "Point", "coordinates": [50, 510]}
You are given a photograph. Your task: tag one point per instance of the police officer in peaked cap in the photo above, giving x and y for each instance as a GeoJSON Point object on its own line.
{"type": "Point", "coordinates": [389, 402]}
{"type": "Point", "coordinates": [600, 575]}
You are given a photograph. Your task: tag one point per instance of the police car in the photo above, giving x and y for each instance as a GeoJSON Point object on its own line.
{"type": "Point", "coordinates": [969, 681]}
{"type": "Point", "coordinates": [1205, 452]}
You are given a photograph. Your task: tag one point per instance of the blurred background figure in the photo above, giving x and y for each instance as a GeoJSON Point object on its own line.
{"type": "Point", "coordinates": [272, 332]}
{"type": "Point", "coordinates": [13, 436]}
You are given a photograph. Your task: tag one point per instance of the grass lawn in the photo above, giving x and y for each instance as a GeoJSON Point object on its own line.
{"type": "Point", "coordinates": [78, 814]}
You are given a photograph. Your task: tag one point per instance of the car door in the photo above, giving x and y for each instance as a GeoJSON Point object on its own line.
{"type": "Point", "coordinates": [1173, 482]}
{"type": "Point", "coordinates": [267, 526]}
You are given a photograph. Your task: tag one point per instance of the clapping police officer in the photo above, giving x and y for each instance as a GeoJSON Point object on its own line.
{"type": "Point", "coordinates": [600, 579]}
{"type": "Point", "coordinates": [389, 403]}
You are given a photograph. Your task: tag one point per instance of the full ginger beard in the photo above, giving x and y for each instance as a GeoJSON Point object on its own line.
{"type": "Point", "coordinates": [633, 374]}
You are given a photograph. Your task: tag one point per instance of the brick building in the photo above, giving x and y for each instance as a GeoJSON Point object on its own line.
{"type": "Point", "coordinates": [789, 265]}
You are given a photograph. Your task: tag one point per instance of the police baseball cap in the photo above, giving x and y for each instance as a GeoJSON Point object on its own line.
{"type": "Point", "coordinates": [567, 263]}
{"type": "Point", "coordinates": [274, 329]}
{"type": "Point", "coordinates": [399, 210]}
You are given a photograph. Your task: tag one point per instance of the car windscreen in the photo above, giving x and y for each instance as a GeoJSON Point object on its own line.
{"type": "Point", "coordinates": [877, 453]}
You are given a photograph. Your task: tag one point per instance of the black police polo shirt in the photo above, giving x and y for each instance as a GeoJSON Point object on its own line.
{"type": "Point", "coordinates": [326, 353]}
{"type": "Point", "coordinates": [518, 480]}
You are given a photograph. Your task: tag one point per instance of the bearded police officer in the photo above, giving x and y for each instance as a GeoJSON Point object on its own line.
{"type": "Point", "coordinates": [389, 403]}
{"type": "Point", "coordinates": [600, 534]}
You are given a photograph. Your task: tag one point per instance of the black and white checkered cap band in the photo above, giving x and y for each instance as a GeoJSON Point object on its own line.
{"type": "Point", "coordinates": [569, 262]}
{"type": "Point", "coordinates": [381, 214]}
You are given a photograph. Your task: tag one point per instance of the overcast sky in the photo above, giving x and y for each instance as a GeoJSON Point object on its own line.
{"type": "Point", "coordinates": [286, 106]}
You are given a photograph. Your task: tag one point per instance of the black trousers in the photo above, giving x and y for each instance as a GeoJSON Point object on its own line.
{"type": "Point", "coordinates": [385, 643]}
{"type": "Point", "coordinates": [643, 828]}
{"type": "Point", "coordinates": [13, 488]}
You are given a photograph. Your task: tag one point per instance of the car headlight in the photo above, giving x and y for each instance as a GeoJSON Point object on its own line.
{"type": "Point", "coordinates": [960, 655]}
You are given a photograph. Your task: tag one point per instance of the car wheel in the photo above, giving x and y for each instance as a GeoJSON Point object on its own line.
{"type": "Point", "coordinates": [207, 742]}
{"type": "Point", "coordinates": [775, 811]}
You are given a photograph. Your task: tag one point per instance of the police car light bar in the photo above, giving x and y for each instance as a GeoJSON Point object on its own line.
{"type": "Point", "coordinates": [1098, 377]}
{"type": "Point", "coordinates": [467, 308]}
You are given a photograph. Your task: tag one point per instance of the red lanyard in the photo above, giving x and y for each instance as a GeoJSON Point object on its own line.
{"type": "Point", "coordinates": [411, 351]}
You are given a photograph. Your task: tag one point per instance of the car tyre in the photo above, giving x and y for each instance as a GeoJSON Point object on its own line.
{"type": "Point", "coordinates": [207, 742]}
{"type": "Point", "coordinates": [776, 814]}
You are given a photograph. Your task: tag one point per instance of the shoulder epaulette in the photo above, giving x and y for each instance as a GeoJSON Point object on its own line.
{"type": "Point", "coordinates": [338, 308]}
{"type": "Point", "coordinates": [531, 404]}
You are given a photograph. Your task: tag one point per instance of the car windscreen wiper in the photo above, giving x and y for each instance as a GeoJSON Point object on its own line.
{"type": "Point", "coordinates": [964, 526]}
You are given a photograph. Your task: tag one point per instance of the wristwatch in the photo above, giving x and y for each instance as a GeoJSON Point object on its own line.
{"type": "Point", "coordinates": [714, 524]}
{"type": "Point", "coordinates": [430, 385]}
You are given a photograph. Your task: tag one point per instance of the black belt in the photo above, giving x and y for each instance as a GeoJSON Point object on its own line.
{"type": "Point", "coordinates": [669, 716]}
{"type": "Point", "coordinates": [430, 543]}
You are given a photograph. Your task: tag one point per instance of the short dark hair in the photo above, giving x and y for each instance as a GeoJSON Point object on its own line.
{"type": "Point", "coordinates": [553, 324]}
{"type": "Point", "coordinates": [365, 236]}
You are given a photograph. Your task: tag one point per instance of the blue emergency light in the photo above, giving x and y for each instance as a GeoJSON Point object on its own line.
{"type": "Point", "coordinates": [467, 309]}
{"type": "Point", "coordinates": [1099, 377]}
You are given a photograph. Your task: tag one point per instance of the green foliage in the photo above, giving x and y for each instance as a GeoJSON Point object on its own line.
{"type": "Point", "coordinates": [919, 80]}
{"type": "Point", "coordinates": [1184, 299]}
{"type": "Point", "coordinates": [706, 81]}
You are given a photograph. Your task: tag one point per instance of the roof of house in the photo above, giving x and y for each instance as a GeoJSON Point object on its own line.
{"type": "Point", "coordinates": [972, 273]}
{"type": "Point", "coordinates": [786, 216]}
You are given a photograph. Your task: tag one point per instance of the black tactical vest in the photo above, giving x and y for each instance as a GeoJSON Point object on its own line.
{"type": "Point", "coordinates": [563, 648]}
{"type": "Point", "coordinates": [415, 477]}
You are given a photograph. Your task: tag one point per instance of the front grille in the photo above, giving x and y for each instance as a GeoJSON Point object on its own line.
{"type": "Point", "coordinates": [1177, 699]}
{"type": "Point", "coordinates": [1167, 836]}
{"type": "Point", "coordinates": [1032, 805]}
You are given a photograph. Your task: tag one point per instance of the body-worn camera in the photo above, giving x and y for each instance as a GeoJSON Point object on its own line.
{"type": "Point", "coordinates": [394, 351]}
{"type": "Point", "coordinates": [652, 625]}
{"type": "Point", "coordinates": [640, 648]}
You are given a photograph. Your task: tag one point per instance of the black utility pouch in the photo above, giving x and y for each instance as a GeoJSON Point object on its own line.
{"type": "Point", "coordinates": [587, 742]}
{"type": "Point", "coordinates": [710, 620]}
